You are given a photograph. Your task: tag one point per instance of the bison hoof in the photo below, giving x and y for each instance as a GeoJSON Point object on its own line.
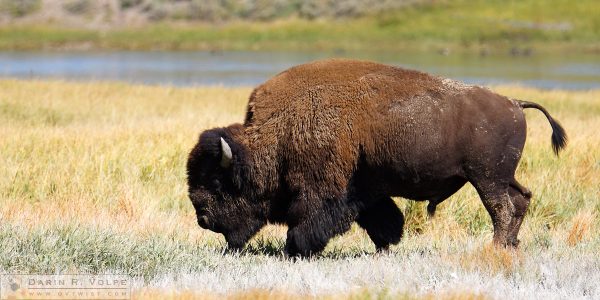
{"type": "Point", "coordinates": [383, 249]}
{"type": "Point", "coordinates": [508, 243]}
{"type": "Point", "coordinates": [294, 252]}
{"type": "Point", "coordinates": [515, 243]}
{"type": "Point", "coordinates": [299, 244]}
{"type": "Point", "coordinates": [292, 249]}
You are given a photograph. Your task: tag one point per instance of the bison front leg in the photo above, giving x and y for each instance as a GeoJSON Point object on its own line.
{"type": "Point", "coordinates": [384, 223]}
{"type": "Point", "coordinates": [314, 230]}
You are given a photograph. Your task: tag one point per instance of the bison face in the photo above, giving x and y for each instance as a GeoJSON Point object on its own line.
{"type": "Point", "coordinates": [215, 183]}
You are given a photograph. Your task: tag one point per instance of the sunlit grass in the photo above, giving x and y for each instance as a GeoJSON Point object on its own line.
{"type": "Point", "coordinates": [92, 179]}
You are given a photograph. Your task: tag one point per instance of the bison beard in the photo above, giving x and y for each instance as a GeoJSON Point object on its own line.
{"type": "Point", "coordinates": [329, 143]}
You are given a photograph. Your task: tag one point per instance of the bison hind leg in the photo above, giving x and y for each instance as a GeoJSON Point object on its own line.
{"type": "Point", "coordinates": [520, 197]}
{"type": "Point", "coordinates": [383, 221]}
{"type": "Point", "coordinates": [496, 199]}
{"type": "Point", "coordinates": [525, 192]}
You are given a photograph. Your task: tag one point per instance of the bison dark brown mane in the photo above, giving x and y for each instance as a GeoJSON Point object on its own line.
{"type": "Point", "coordinates": [329, 143]}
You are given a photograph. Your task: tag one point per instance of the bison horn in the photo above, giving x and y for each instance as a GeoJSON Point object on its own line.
{"type": "Point", "coordinates": [226, 154]}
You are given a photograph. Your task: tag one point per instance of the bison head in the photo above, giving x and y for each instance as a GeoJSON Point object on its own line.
{"type": "Point", "coordinates": [217, 177]}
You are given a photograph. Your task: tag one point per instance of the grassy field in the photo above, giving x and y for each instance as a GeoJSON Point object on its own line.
{"type": "Point", "coordinates": [92, 180]}
{"type": "Point", "coordinates": [460, 25]}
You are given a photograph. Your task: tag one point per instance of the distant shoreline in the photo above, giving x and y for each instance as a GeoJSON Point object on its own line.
{"type": "Point", "coordinates": [263, 37]}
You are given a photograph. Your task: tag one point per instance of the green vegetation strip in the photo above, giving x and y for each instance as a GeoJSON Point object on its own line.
{"type": "Point", "coordinates": [469, 25]}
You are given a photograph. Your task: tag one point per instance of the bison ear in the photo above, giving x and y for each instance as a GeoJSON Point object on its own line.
{"type": "Point", "coordinates": [226, 154]}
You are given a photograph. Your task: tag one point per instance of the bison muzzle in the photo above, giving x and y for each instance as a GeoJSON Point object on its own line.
{"type": "Point", "coordinates": [329, 143]}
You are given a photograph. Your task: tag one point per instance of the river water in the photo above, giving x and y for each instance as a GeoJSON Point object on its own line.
{"type": "Point", "coordinates": [247, 68]}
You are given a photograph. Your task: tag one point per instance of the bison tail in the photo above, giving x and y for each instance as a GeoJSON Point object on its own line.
{"type": "Point", "coordinates": [559, 136]}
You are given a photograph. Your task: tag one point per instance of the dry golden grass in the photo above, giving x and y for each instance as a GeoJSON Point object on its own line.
{"type": "Point", "coordinates": [116, 153]}
{"type": "Point", "coordinates": [92, 179]}
{"type": "Point", "coordinates": [581, 227]}
{"type": "Point", "coordinates": [104, 153]}
{"type": "Point", "coordinates": [492, 259]}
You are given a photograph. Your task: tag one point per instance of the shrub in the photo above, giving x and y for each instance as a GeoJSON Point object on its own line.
{"type": "Point", "coordinates": [77, 7]}
{"type": "Point", "coordinates": [19, 8]}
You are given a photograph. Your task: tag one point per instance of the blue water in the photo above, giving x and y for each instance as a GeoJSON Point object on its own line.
{"type": "Point", "coordinates": [239, 68]}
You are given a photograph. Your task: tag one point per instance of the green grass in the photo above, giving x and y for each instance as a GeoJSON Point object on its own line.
{"type": "Point", "coordinates": [459, 25]}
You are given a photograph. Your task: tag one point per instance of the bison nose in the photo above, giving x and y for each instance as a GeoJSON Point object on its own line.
{"type": "Point", "coordinates": [203, 222]}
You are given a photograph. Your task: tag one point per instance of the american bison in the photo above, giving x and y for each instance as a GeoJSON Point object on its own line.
{"type": "Point", "coordinates": [328, 143]}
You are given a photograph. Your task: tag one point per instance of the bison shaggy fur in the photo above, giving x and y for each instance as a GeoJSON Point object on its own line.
{"type": "Point", "coordinates": [328, 143]}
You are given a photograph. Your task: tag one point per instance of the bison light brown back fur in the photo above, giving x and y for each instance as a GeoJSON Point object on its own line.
{"type": "Point", "coordinates": [328, 143]}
